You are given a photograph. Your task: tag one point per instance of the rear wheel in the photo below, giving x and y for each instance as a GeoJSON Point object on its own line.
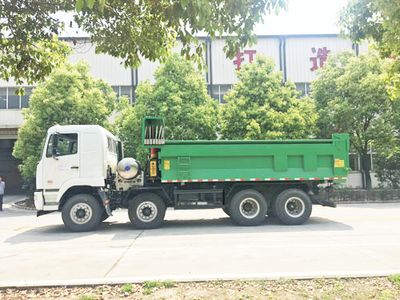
{"type": "Point", "coordinates": [248, 208]}
{"type": "Point", "coordinates": [293, 207]}
{"type": "Point", "coordinates": [82, 212]}
{"type": "Point", "coordinates": [146, 211]}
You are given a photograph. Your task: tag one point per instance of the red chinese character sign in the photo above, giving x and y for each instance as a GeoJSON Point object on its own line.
{"type": "Point", "coordinates": [321, 55]}
{"type": "Point", "coordinates": [242, 55]}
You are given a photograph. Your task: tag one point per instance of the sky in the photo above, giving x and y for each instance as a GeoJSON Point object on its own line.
{"type": "Point", "coordinates": [304, 17]}
{"type": "Point", "coordinates": [301, 17]}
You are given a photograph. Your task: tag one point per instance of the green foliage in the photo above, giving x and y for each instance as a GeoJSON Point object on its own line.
{"type": "Point", "coordinates": [387, 166]}
{"type": "Point", "coordinates": [387, 157]}
{"type": "Point", "coordinates": [127, 288]}
{"type": "Point", "coordinates": [260, 106]}
{"type": "Point", "coordinates": [87, 297]}
{"type": "Point", "coordinates": [129, 30]}
{"type": "Point", "coordinates": [69, 96]}
{"type": "Point", "coordinates": [149, 286]}
{"type": "Point", "coordinates": [378, 20]}
{"type": "Point", "coordinates": [351, 97]}
{"type": "Point", "coordinates": [149, 28]}
{"type": "Point", "coordinates": [179, 95]}
{"type": "Point", "coordinates": [395, 278]}
{"type": "Point", "coordinates": [29, 48]}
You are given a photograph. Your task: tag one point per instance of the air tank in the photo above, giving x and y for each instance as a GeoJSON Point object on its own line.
{"type": "Point", "coordinates": [128, 168]}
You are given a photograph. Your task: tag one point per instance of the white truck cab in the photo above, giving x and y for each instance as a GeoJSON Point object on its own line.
{"type": "Point", "coordinates": [74, 157]}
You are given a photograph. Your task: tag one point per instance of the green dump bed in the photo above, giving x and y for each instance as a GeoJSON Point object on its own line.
{"type": "Point", "coordinates": [273, 160]}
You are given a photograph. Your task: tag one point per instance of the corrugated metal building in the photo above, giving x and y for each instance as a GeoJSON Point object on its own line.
{"type": "Point", "coordinates": [298, 57]}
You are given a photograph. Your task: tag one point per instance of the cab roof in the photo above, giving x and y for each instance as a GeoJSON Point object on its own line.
{"type": "Point", "coordinates": [80, 128]}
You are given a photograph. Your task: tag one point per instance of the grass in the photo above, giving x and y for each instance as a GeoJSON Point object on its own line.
{"type": "Point", "coordinates": [127, 288]}
{"type": "Point", "coordinates": [395, 279]}
{"type": "Point", "coordinates": [150, 286]}
{"type": "Point", "coordinates": [87, 297]}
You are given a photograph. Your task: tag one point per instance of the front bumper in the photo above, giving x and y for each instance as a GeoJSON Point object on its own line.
{"type": "Point", "coordinates": [41, 206]}
{"type": "Point", "coordinates": [39, 200]}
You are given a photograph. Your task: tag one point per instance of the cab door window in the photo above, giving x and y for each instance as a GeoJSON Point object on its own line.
{"type": "Point", "coordinates": [62, 144]}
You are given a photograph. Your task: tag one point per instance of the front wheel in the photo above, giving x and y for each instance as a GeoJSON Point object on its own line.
{"type": "Point", "coordinates": [146, 211]}
{"type": "Point", "coordinates": [82, 212]}
{"type": "Point", "coordinates": [248, 208]}
{"type": "Point", "coordinates": [293, 207]}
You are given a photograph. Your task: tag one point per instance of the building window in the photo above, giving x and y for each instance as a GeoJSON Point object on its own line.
{"type": "Point", "coordinates": [126, 91]}
{"type": "Point", "coordinates": [3, 98]}
{"type": "Point", "coordinates": [303, 88]}
{"type": "Point", "coordinates": [10, 100]}
{"type": "Point", "coordinates": [13, 99]}
{"type": "Point", "coordinates": [219, 90]}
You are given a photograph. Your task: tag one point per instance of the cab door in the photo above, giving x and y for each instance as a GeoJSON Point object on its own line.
{"type": "Point", "coordinates": [61, 163]}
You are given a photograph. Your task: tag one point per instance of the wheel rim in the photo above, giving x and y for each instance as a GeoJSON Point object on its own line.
{"type": "Point", "coordinates": [146, 211]}
{"type": "Point", "coordinates": [249, 208]}
{"type": "Point", "coordinates": [295, 207]}
{"type": "Point", "coordinates": [81, 213]}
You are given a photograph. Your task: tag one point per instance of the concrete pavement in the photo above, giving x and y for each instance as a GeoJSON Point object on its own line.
{"type": "Point", "coordinates": [8, 199]}
{"type": "Point", "coordinates": [351, 240]}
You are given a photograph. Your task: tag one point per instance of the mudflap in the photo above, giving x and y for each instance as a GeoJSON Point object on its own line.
{"type": "Point", "coordinates": [323, 199]}
{"type": "Point", "coordinates": [43, 212]}
{"type": "Point", "coordinates": [106, 201]}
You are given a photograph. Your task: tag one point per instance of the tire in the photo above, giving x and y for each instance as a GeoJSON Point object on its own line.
{"type": "Point", "coordinates": [292, 207]}
{"type": "Point", "coordinates": [271, 213]}
{"type": "Point", "coordinates": [248, 208]}
{"type": "Point", "coordinates": [146, 211]}
{"type": "Point", "coordinates": [226, 210]}
{"type": "Point", "coordinates": [82, 212]}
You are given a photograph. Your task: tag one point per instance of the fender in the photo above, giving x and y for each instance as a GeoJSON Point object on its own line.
{"type": "Point", "coordinates": [92, 181]}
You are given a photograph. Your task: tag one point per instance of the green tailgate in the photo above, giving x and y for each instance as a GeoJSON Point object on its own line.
{"type": "Point", "coordinates": [275, 160]}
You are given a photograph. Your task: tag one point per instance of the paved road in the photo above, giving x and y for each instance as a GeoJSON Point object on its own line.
{"type": "Point", "coordinates": [12, 198]}
{"type": "Point", "coordinates": [349, 240]}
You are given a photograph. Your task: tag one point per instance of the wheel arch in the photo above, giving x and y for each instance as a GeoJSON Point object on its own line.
{"type": "Point", "coordinates": [159, 191]}
{"type": "Point", "coordinates": [75, 190]}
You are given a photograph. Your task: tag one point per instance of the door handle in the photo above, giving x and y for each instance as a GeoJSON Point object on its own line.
{"type": "Point", "coordinates": [74, 167]}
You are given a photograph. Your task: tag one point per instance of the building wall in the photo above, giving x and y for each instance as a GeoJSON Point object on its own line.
{"type": "Point", "coordinates": [224, 69]}
{"type": "Point", "coordinates": [102, 66]}
{"type": "Point", "coordinates": [300, 55]}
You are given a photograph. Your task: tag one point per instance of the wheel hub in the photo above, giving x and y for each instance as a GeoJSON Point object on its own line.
{"type": "Point", "coordinates": [249, 208]}
{"type": "Point", "coordinates": [81, 213]}
{"type": "Point", "coordinates": [146, 211]}
{"type": "Point", "coordinates": [295, 207]}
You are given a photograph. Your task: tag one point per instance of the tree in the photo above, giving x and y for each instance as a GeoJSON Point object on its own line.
{"type": "Point", "coordinates": [69, 96]}
{"type": "Point", "coordinates": [29, 48]}
{"type": "Point", "coordinates": [351, 96]}
{"type": "Point", "coordinates": [179, 95]}
{"type": "Point", "coordinates": [387, 166]}
{"type": "Point", "coordinates": [129, 30]}
{"type": "Point", "coordinates": [261, 106]}
{"type": "Point", "coordinates": [378, 20]}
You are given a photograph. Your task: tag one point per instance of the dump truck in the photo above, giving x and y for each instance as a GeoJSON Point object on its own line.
{"type": "Point", "coordinates": [82, 173]}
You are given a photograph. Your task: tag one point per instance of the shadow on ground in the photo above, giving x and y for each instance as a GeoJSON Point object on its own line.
{"type": "Point", "coordinates": [126, 231]}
